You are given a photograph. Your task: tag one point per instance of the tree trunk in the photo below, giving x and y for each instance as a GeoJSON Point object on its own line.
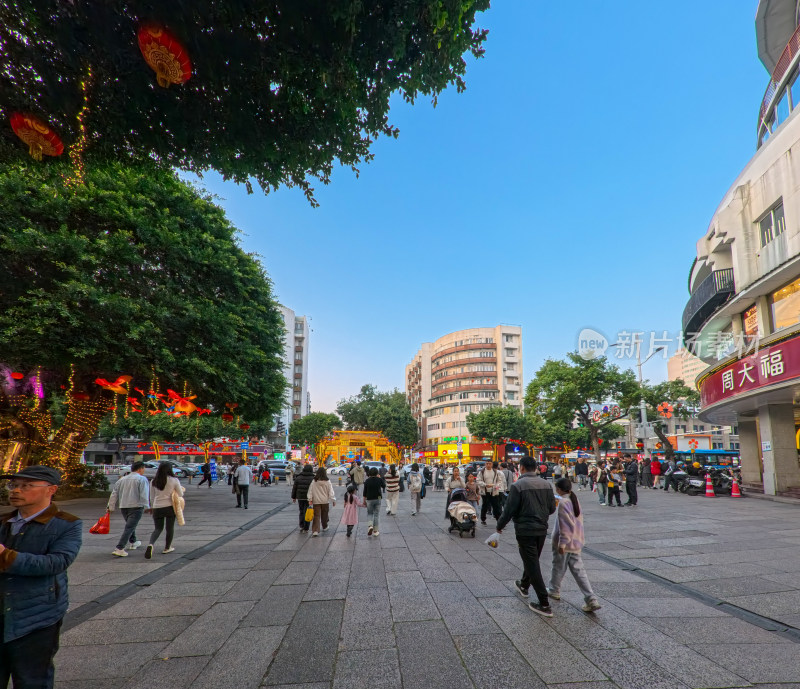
{"type": "Point", "coordinates": [669, 451]}
{"type": "Point", "coordinates": [595, 444]}
{"type": "Point", "coordinates": [80, 426]}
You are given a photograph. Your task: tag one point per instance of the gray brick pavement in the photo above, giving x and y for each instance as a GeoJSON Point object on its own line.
{"type": "Point", "coordinates": [418, 607]}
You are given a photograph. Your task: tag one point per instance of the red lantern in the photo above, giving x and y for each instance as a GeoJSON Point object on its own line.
{"type": "Point", "coordinates": [165, 55]}
{"type": "Point", "coordinates": [80, 396]}
{"type": "Point", "coordinates": [244, 426]}
{"type": "Point", "coordinates": [41, 139]}
{"type": "Point", "coordinates": [17, 376]}
{"type": "Point", "coordinates": [639, 445]}
{"type": "Point", "coordinates": [227, 417]}
{"type": "Point", "coordinates": [599, 441]}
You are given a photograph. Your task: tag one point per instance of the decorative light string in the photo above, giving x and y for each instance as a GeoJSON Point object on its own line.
{"type": "Point", "coordinates": [77, 148]}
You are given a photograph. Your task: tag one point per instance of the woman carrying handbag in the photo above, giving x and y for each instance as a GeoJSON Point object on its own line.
{"type": "Point", "coordinates": [166, 498]}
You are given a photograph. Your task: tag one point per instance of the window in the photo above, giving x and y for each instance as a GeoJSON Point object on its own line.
{"type": "Point", "coordinates": [794, 89]}
{"type": "Point", "coordinates": [785, 305]}
{"type": "Point", "coordinates": [511, 395]}
{"type": "Point", "coordinates": [298, 368]}
{"type": "Point", "coordinates": [717, 446]}
{"type": "Point", "coordinates": [511, 352]}
{"type": "Point", "coordinates": [772, 224]}
{"type": "Point", "coordinates": [734, 446]}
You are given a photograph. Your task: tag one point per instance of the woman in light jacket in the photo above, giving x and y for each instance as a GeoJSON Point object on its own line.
{"type": "Point", "coordinates": [164, 488]}
{"type": "Point", "coordinates": [320, 495]}
{"type": "Point", "coordinates": [455, 481]}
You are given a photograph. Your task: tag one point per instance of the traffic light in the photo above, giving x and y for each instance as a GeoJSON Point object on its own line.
{"type": "Point", "coordinates": [280, 428]}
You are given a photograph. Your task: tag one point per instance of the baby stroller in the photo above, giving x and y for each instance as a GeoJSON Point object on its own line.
{"type": "Point", "coordinates": [463, 516]}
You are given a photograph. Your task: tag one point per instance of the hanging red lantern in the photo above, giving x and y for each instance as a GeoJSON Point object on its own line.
{"type": "Point", "coordinates": [244, 426]}
{"type": "Point", "coordinates": [227, 417]}
{"type": "Point", "coordinates": [17, 376]}
{"type": "Point", "coordinates": [639, 445]}
{"type": "Point", "coordinates": [80, 396]}
{"type": "Point", "coordinates": [165, 54]}
{"type": "Point", "coordinates": [41, 139]}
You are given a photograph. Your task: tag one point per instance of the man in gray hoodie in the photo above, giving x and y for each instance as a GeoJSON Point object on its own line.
{"type": "Point", "coordinates": [131, 494]}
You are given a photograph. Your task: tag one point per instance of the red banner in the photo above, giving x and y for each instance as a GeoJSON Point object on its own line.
{"type": "Point", "coordinates": [768, 366]}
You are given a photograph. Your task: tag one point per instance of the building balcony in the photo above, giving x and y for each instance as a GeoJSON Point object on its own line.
{"type": "Point", "coordinates": [710, 294]}
{"type": "Point", "coordinates": [298, 376]}
{"type": "Point", "coordinates": [471, 361]}
{"type": "Point", "coordinates": [465, 376]}
{"type": "Point", "coordinates": [465, 388]}
{"type": "Point", "coordinates": [462, 348]}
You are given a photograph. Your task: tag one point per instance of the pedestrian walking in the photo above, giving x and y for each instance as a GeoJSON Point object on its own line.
{"type": "Point", "coordinates": [206, 469]}
{"type": "Point", "coordinates": [631, 480]}
{"type": "Point", "coordinates": [647, 477]}
{"type": "Point", "coordinates": [453, 483]}
{"type": "Point", "coordinates": [351, 504]}
{"type": "Point", "coordinates": [165, 491]}
{"type": "Point", "coordinates": [300, 493]}
{"type": "Point", "coordinates": [490, 481]}
{"type": "Point", "coordinates": [358, 475]}
{"type": "Point", "coordinates": [669, 476]}
{"type": "Point", "coordinates": [242, 477]}
{"type": "Point", "coordinates": [38, 542]}
{"type": "Point", "coordinates": [392, 479]}
{"type": "Point", "coordinates": [558, 471]}
{"type": "Point", "coordinates": [320, 495]}
{"type": "Point", "coordinates": [530, 504]}
{"type": "Point", "coordinates": [655, 472]}
{"type": "Point", "coordinates": [582, 473]}
{"type": "Point", "coordinates": [416, 488]}
{"type": "Point", "coordinates": [426, 474]}
{"type": "Point", "coordinates": [508, 478]}
{"type": "Point", "coordinates": [373, 492]}
{"type": "Point", "coordinates": [473, 492]}
{"type": "Point", "coordinates": [440, 477]}
{"type": "Point", "coordinates": [290, 473]}
{"type": "Point", "coordinates": [567, 547]}
{"type": "Point", "coordinates": [131, 494]}
{"type": "Point", "coordinates": [601, 477]}
{"type": "Point", "coordinates": [614, 479]}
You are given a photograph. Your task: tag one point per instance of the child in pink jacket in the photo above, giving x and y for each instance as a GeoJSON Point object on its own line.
{"type": "Point", "coordinates": [351, 504]}
{"type": "Point", "coordinates": [567, 547]}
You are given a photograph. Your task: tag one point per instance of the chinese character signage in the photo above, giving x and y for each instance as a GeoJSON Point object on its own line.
{"type": "Point", "coordinates": [768, 366]}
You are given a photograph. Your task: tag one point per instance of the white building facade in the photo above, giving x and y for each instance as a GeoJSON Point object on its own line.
{"type": "Point", "coordinates": [295, 357]}
{"type": "Point", "coordinates": [465, 371]}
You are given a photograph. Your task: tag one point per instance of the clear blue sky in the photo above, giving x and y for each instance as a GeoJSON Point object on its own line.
{"type": "Point", "coordinates": [566, 188]}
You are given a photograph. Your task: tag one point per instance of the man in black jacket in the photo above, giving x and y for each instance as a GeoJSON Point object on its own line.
{"type": "Point", "coordinates": [631, 479]}
{"type": "Point", "coordinates": [302, 482]}
{"type": "Point", "coordinates": [530, 503]}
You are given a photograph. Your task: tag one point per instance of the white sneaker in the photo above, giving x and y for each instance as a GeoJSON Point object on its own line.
{"type": "Point", "coordinates": [413, 513]}
{"type": "Point", "coordinates": [167, 550]}
{"type": "Point", "coordinates": [119, 553]}
{"type": "Point", "coordinates": [376, 533]}
{"type": "Point", "coordinates": [369, 531]}
{"type": "Point", "coordinates": [133, 546]}
{"type": "Point", "coordinates": [591, 606]}
{"type": "Point", "coordinates": [324, 528]}
{"type": "Point", "coordinates": [315, 533]}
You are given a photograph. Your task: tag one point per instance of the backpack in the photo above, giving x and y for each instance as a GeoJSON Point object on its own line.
{"type": "Point", "coordinates": [414, 482]}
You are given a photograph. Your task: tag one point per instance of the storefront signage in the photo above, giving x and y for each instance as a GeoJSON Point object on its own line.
{"type": "Point", "coordinates": [750, 321]}
{"type": "Point", "coordinates": [768, 366]}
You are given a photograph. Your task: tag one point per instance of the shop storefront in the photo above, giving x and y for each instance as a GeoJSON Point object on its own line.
{"type": "Point", "coordinates": [760, 393]}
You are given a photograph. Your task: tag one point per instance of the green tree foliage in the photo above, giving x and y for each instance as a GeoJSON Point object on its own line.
{"type": "Point", "coordinates": [280, 89]}
{"type": "Point", "coordinates": [565, 391]}
{"type": "Point", "coordinates": [134, 273]}
{"type": "Point", "coordinates": [313, 427]}
{"type": "Point", "coordinates": [386, 412]}
{"type": "Point", "coordinates": [684, 401]}
{"type": "Point", "coordinates": [498, 424]}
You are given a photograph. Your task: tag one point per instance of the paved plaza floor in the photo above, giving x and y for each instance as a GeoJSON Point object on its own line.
{"type": "Point", "coordinates": [248, 601]}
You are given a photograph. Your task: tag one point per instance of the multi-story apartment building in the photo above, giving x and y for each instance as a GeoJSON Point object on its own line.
{"type": "Point", "coordinates": [295, 357]}
{"type": "Point", "coordinates": [743, 315]}
{"type": "Point", "coordinates": [465, 371]}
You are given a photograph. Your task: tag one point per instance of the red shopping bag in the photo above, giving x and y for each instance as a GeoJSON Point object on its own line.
{"type": "Point", "coordinates": [103, 525]}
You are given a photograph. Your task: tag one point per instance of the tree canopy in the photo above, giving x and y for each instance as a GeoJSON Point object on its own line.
{"type": "Point", "coordinates": [313, 427]}
{"type": "Point", "coordinates": [134, 273]}
{"type": "Point", "coordinates": [279, 90]}
{"type": "Point", "coordinates": [566, 393]}
{"type": "Point", "coordinates": [386, 412]}
{"type": "Point", "coordinates": [498, 424]}
{"type": "Point", "coordinates": [672, 393]}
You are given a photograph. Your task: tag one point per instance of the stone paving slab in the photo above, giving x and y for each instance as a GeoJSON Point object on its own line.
{"type": "Point", "coordinates": [274, 608]}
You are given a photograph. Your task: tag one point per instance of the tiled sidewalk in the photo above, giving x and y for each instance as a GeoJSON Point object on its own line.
{"type": "Point", "coordinates": [418, 607]}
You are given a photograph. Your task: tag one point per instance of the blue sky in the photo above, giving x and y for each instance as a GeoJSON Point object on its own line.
{"type": "Point", "coordinates": [566, 188]}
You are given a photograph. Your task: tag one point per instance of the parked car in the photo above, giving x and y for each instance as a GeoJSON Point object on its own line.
{"type": "Point", "coordinates": [178, 469]}
{"type": "Point", "coordinates": [338, 470]}
{"type": "Point", "coordinates": [277, 469]}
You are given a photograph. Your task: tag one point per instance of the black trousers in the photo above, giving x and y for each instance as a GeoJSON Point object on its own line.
{"type": "Point", "coordinates": [162, 516]}
{"type": "Point", "coordinates": [614, 493]}
{"type": "Point", "coordinates": [632, 491]}
{"type": "Point", "coordinates": [206, 477]}
{"type": "Point", "coordinates": [242, 493]}
{"type": "Point", "coordinates": [492, 501]}
{"type": "Point", "coordinates": [303, 505]}
{"type": "Point", "coordinates": [670, 481]}
{"type": "Point", "coordinates": [530, 548]}
{"type": "Point", "coordinates": [28, 661]}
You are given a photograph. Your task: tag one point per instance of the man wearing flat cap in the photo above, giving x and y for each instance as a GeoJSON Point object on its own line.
{"type": "Point", "coordinates": [37, 544]}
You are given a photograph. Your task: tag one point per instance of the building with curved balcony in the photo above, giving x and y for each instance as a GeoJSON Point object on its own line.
{"type": "Point", "coordinates": [465, 371]}
{"type": "Point", "coordinates": [743, 314]}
